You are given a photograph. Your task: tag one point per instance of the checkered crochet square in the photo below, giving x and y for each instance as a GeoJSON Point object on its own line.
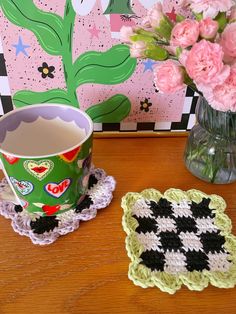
{"type": "Point", "coordinates": [179, 238]}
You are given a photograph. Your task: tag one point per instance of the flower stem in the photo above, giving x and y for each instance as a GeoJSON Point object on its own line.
{"type": "Point", "coordinates": [162, 42]}
{"type": "Point", "coordinates": [69, 18]}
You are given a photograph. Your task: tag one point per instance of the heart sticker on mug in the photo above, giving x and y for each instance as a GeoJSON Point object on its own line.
{"type": "Point", "coordinates": [24, 187]}
{"type": "Point", "coordinates": [50, 210]}
{"type": "Point", "coordinates": [71, 155]}
{"type": "Point", "coordinates": [57, 189]}
{"type": "Point", "coordinates": [24, 203]}
{"type": "Point", "coordinates": [39, 169]}
{"type": "Point", "coordinates": [10, 159]}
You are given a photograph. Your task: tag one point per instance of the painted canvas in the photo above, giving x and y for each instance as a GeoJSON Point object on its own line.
{"type": "Point", "coordinates": [69, 52]}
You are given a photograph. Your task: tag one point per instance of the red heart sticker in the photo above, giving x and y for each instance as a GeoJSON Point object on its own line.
{"type": "Point", "coordinates": [10, 159]}
{"type": "Point", "coordinates": [71, 155]}
{"type": "Point", "coordinates": [50, 210]}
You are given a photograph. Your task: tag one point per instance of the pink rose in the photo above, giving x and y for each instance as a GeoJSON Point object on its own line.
{"type": "Point", "coordinates": [125, 33]}
{"type": "Point", "coordinates": [208, 28]}
{"type": "Point", "coordinates": [222, 97]}
{"type": "Point", "coordinates": [169, 77]}
{"type": "Point", "coordinates": [204, 63]}
{"type": "Point", "coordinates": [183, 3]}
{"type": "Point", "coordinates": [228, 40]}
{"type": "Point", "coordinates": [185, 33]}
{"type": "Point", "coordinates": [233, 14]}
{"type": "Point", "coordinates": [155, 15]}
{"type": "Point", "coordinates": [210, 8]}
{"type": "Point", "coordinates": [232, 77]}
{"type": "Point", "coordinates": [138, 49]}
{"type": "Point", "coordinates": [146, 23]}
{"type": "Point", "coordinates": [183, 57]}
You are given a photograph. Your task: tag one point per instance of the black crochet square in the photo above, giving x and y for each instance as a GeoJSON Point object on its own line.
{"type": "Point", "coordinates": [196, 261]}
{"type": "Point", "coordinates": [44, 224]}
{"type": "Point", "coordinates": [146, 225]}
{"type": "Point", "coordinates": [92, 181]}
{"type": "Point", "coordinates": [86, 203]}
{"type": "Point", "coordinates": [185, 224]}
{"type": "Point", "coordinates": [170, 241]}
{"type": "Point", "coordinates": [202, 210]}
{"type": "Point", "coordinates": [161, 209]}
{"type": "Point", "coordinates": [212, 242]}
{"type": "Point", "coordinates": [153, 260]}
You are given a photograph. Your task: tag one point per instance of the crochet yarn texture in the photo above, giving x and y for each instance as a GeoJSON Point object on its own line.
{"type": "Point", "coordinates": [46, 230]}
{"type": "Point", "coordinates": [179, 238]}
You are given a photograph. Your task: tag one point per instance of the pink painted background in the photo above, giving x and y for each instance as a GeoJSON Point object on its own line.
{"type": "Point", "coordinates": [93, 31]}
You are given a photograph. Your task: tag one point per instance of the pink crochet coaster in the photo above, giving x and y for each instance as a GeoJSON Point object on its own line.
{"type": "Point", "coordinates": [46, 230]}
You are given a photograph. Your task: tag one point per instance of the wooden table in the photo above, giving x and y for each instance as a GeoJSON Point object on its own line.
{"type": "Point", "coordinates": [86, 271]}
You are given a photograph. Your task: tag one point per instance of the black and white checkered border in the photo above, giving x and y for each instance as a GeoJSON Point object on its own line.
{"type": "Point", "coordinates": [186, 123]}
{"type": "Point", "coordinates": [5, 93]}
{"type": "Point", "coordinates": [187, 120]}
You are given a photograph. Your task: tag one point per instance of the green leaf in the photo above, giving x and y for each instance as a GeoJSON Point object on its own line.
{"type": "Point", "coordinates": [165, 28]}
{"type": "Point", "coordinates": [222, 21]}
{"type": "Point", "coordinates": [198, 16]}
{"type": "Point", "coordinates": [179, 18]}
{"type": "Point", "coordinates": [111, 67]}
{"type": "Point", "coordinates": [113, 110]}
{"type": "Point", "coordinates": [47, 27]}
{"type": "Point", "coordinates": [156, 53]}
{"type": "Point", "coordinates": [140, 37]}
{"type": "Point", "coordinates": [26, 97]}
{"type": "Point", "coordinates": [178, 51]}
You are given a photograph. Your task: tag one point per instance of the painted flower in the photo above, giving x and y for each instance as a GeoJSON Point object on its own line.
{"type": "Point", "coordinates": [46, 70]}
{"type": "Point", "coordinates": [145, 105]}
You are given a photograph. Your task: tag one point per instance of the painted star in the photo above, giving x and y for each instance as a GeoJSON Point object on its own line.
{"type": "Point", "coordinates": [148, 65]}
{"type": "Point", "coordinates": [172, 15]}
{"type": "Point", "coordinates": [20, 47]}
{"type": "Point", "coordinates": [94, 31]}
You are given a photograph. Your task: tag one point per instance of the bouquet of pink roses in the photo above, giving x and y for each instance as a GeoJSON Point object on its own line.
{"type": "Point", "coordinates": [198, 51]}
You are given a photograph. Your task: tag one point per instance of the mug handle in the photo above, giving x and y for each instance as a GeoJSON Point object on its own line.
{"type": "Point", "coordinates": [9, 193]}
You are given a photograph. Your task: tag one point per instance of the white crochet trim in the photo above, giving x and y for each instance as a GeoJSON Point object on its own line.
{"type": "Point", "coordinates": [100, 193]}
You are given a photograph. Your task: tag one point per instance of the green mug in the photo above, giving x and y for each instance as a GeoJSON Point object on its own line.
{"type": "Point", "coordinates": [46, 152]}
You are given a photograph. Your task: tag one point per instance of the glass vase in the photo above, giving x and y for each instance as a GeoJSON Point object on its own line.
{"type": "Point", "coordinates": [210, 152]}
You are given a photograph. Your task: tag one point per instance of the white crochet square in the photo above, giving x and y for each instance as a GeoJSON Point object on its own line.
{"type": "Point", "coordinates": [205, 225]}
{"type": "Point", "coordinates": [175, 262]}
{"type": "Point", "coordinates": [190, 241]}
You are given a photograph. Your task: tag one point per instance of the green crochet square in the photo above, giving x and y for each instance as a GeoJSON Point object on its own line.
{"type": "Point", "coordinates": [179, 238]}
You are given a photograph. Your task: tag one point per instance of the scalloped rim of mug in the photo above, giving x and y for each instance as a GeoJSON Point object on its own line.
{"type": "Point", "coordinates": [15, 111]}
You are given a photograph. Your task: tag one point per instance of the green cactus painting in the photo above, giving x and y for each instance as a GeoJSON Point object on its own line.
{"type": "Point", "coordinates": [55, 35]}
{"type": "Point", "coordinates": [119, 7]}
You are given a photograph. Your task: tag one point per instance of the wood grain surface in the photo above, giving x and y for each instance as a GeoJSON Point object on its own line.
{"type": "Point", "coordinates": [86, 271]}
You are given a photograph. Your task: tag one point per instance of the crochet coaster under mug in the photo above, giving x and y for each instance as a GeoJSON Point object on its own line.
{"type": "Point", "coordinates": [46, 230]}
{"type": "Point", "coordinates": [179, 238]}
